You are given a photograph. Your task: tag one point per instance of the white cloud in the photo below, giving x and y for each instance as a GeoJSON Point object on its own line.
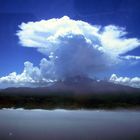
{"type": "Point", "coordinates": [74, 47]}
{"type": "Point", "coordinates": [133, 82]}
{"type": "Point", "coordinates": [114, 41]}
{"type": "Point", "coordinates": [31, 76]}
{"type": "Point", "coordinates": [50, 34]}
{"type": "Point", "coordinates": [131, 57]}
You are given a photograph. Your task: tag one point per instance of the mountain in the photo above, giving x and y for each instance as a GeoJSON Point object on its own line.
{"type": "Point", "coordinates": [85, 85]}
{"type": "Point", "coordinates": [72, 93]}
{"type": "Point", "coordinates": [77, 84]}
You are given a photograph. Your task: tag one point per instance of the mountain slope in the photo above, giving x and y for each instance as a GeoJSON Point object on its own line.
{"type": "Point", "coordinates": [81, 85]}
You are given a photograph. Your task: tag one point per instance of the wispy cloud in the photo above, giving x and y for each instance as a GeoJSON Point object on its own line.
{"type": "Point", "coordinates": [131, 57]}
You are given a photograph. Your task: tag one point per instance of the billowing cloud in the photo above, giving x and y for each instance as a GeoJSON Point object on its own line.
{"type": "Point", "coordinates": [76, 47]}
{"type": "Point", "coordinates": [31, 76]}
{"type": "Point", "coordinates": [49, 35]}
{"type": "Point", "coordinates": [72, 47]}
{"type": "Point", "coordinates": [114, 41]}
{"type": "Point", "coordinates": [133, 82]}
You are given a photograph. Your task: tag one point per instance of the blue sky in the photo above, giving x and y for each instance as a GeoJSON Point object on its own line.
{"type": "Point", "coordinates": [123, 13]}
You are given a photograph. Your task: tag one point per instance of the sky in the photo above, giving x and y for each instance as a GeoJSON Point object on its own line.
{"type": "Point", "coordinates": [109, 17]}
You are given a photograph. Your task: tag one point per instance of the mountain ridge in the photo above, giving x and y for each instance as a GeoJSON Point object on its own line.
{"type": "Point", "coordinates": [76, 84]}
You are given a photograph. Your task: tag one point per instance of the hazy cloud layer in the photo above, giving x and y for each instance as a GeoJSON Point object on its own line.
{"type": "Point", "coordinates": [133, 82]}
{"type": "Point", "coordinates": [73, 47]}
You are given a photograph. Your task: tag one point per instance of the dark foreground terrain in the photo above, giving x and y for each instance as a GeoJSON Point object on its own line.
{"type": "Point", "coordinates": [70, 101]}
{"type": "Point", "coordinates": [73, 93]}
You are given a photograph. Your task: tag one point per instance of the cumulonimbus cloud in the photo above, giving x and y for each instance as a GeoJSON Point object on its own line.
{"type": "Point", "coordinates": [50, 35]}
{"type": "Point", "coordinates": [73, 47]}
{"type": "Point", "coordinates": [133, 82]}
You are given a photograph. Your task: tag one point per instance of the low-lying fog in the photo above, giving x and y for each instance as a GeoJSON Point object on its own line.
{"type": "Point", "coordinates": [19, 124]}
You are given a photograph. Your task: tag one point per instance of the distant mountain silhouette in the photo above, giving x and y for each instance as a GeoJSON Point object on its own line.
{"type": "Point", "coordinates": [77, 84]}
